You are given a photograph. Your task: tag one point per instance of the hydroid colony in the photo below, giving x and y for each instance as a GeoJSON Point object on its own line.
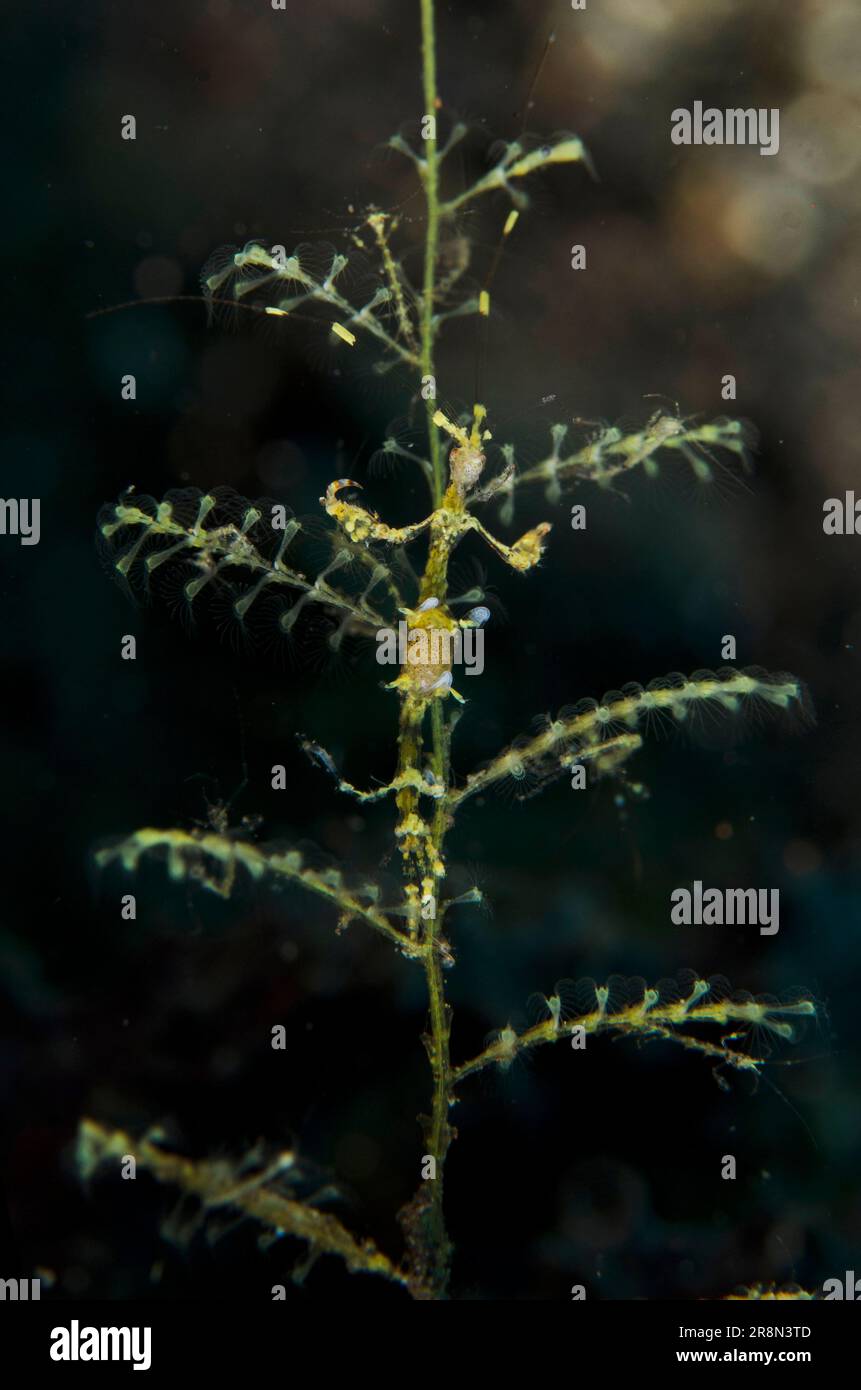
{"type": "Point", "coordinates": [253, 553]}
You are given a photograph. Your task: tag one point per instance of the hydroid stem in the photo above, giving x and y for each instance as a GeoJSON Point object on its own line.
{"type": "Point", "coordinates": [651, 1016]}
{"type": "Point", "coordinates": [215, 1185]}
{"type": "Point", "coordinates": [440, 1135]}
{"type": "Point", "coordinates": [430, 173]}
